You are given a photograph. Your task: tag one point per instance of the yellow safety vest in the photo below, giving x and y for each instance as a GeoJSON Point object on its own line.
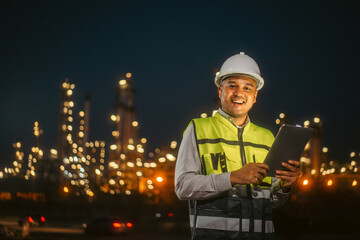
{"type": "Point", "coordinates": [223, 147]}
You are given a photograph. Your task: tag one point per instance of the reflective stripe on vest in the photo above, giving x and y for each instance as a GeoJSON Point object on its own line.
{"type": "Point", "coordinates": [230, 224]}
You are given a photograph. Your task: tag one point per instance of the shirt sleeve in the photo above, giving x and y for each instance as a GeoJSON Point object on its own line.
{"type": "Point", "coordinates": [189, 183]}
{"type": "Point", "coordinates": [278, 196]}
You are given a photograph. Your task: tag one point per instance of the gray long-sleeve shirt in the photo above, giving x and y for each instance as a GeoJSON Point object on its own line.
{"type": "Point", "coordinates": [190, 184]}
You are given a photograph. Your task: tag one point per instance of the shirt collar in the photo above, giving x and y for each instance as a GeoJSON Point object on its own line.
{"type": "Point", "coordinates": [230, 118]}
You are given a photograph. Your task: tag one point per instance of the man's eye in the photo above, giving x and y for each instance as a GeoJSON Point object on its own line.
{"type": "Point", "coordinates": [232, 86]}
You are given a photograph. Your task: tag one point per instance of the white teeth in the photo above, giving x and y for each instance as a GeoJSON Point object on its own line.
{"type": "Point", "coordinates": [240, 101]}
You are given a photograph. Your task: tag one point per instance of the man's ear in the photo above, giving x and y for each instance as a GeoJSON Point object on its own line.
{"type": "Point", "coordinates": [255, 96]}
{"type": "Point", "coordinates": [220, 90]}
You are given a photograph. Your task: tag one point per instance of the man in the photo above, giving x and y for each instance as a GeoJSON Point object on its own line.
{"type": "Point", "coordinates": [220, 165]}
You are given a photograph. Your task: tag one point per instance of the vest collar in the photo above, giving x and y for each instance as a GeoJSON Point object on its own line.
{"type": "Point", "coordinates": [230, 118]}
{"type": "Point", "coordinates": [229, 121]}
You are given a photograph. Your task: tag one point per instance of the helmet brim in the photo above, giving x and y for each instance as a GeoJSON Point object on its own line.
{"type": "Point", "coordinates": [258, 79]}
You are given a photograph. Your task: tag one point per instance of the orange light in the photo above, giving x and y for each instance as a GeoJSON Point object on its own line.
{"type": "Point", "coordinates": [42, 219]}
{"type": "Point", "coordinates": [31, 220]}
{"type": "Point", "coordinates": [354, 183]}
{"type": "Point", "coordinates": [116, 225]}
{"type": "Point", "coordinates": [305, 182]}
{"type": "Point", "coordinates": [129, 225]}
{"type": "Point", "coordinates": [159, 179]}
{"type": "Point", "coordinates": [329, 182]}
{"type": "Point", "coordinates": [66, 189]}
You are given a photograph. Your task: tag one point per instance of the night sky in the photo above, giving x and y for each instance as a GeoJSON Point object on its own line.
{"type": "Point", "coordinates": [308, 53]}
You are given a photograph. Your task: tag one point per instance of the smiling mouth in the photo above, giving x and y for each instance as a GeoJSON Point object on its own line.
{"type": "Point", "coordinates": [241, 101]}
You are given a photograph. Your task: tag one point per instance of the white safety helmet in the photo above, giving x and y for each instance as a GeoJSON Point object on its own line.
{"type": "Point", "coordinates": [240, 64]}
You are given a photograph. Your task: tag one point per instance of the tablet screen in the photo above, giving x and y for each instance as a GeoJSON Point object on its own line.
{"type": "Point", "coordinates": [289, 144]}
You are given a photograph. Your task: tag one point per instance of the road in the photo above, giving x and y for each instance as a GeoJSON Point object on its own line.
{"type": "Point", "coordinates": [150, 231]}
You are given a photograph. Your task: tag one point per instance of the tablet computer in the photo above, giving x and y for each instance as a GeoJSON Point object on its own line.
{"type": "Point", "coordinates": [289, 144]}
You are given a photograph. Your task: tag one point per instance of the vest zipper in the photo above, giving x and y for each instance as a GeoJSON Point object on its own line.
{"type": "Point", "coordinates": [248, 187]}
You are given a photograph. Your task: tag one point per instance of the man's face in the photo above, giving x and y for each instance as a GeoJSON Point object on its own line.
{"type": "Point", "coordinates": [238, 95]}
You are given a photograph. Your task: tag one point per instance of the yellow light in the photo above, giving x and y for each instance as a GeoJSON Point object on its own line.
{"type": "Point", "coordinates": [113, 165]}
{"type": "Point", "coordinates": [217, 73]}
{"type": "Point", "coordinates": [203, 115]}
{"type": "Point", "coordinates": [81, 114]}
{"type": "Point", "coordinates": [71, 104]}
{"type": "Point", "coordinates": [159, 179]}
{"type": "Point", "coordinates": [329, 183]}
{"type": "Point", "coordinates": [66, 190]}
{"type": "Point", "coordinates": [162, 159]}
{"type": "Point", "coordinates": [122, 82]}
{"type": "Point", "coordinates": [325, 149]}
{"type": "Point", "coordinates": [306, 123]}
{"type": "Point", "coordinates": [143, 140]}
{"type": "Point", "coordinates": [170, 157]}
{"type": "Point", "coordinates": [128, 75]}
{"type": "Point", "coordinates": [354, 183]}
{"type": "Point", "coordinates": [173, 144]}
{"type": "Point", "coordinates": [316, 120]}
{"type": "Point", "coordinates": [113, 118]}
{"type": "Point", "coordinates": [305, 182]}
{"type": "Point", "coordinates": [69, 92]}
{"type": "Point", "coordinates": [282, 115]}
{"type": "Point", "coordinates": [72, 86]}
{"type": "Point", "coordinates": [131, 147]}
{"type": "Point", "coordinates": [115, 133]}
{"type": "Point", "coordinates": [277, 121]}
{"type": "Point", "coordinates": [352, 154]}
{"type": "Point", "coordinates": [135, 123]}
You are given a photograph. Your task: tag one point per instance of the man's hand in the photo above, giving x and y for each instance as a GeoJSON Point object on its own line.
{"type": "Point", "coordinates": [251, 173]}
{"type": "Point", "coordinates": [290, 175]}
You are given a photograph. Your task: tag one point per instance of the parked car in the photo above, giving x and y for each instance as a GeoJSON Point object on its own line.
{"type": "Point", "coordinates": [36, 220]}
{"type": "Point", "coordinates": [108, 226]}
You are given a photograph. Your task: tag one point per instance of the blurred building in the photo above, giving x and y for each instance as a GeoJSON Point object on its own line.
{"type": "Point", "coordinates": [126, 156]}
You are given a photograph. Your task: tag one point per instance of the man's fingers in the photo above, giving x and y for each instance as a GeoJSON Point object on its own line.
{"type": "Point", "coordinates": [294, 163]}
{"type": "Point", "coordinates": [263, 165]}
{"type": "Point", "coordinates": [287, 178]}
{"type": "Point", "coordinates": [290, 167]}
{"type": "Point", "coordinates": [285, 173]}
